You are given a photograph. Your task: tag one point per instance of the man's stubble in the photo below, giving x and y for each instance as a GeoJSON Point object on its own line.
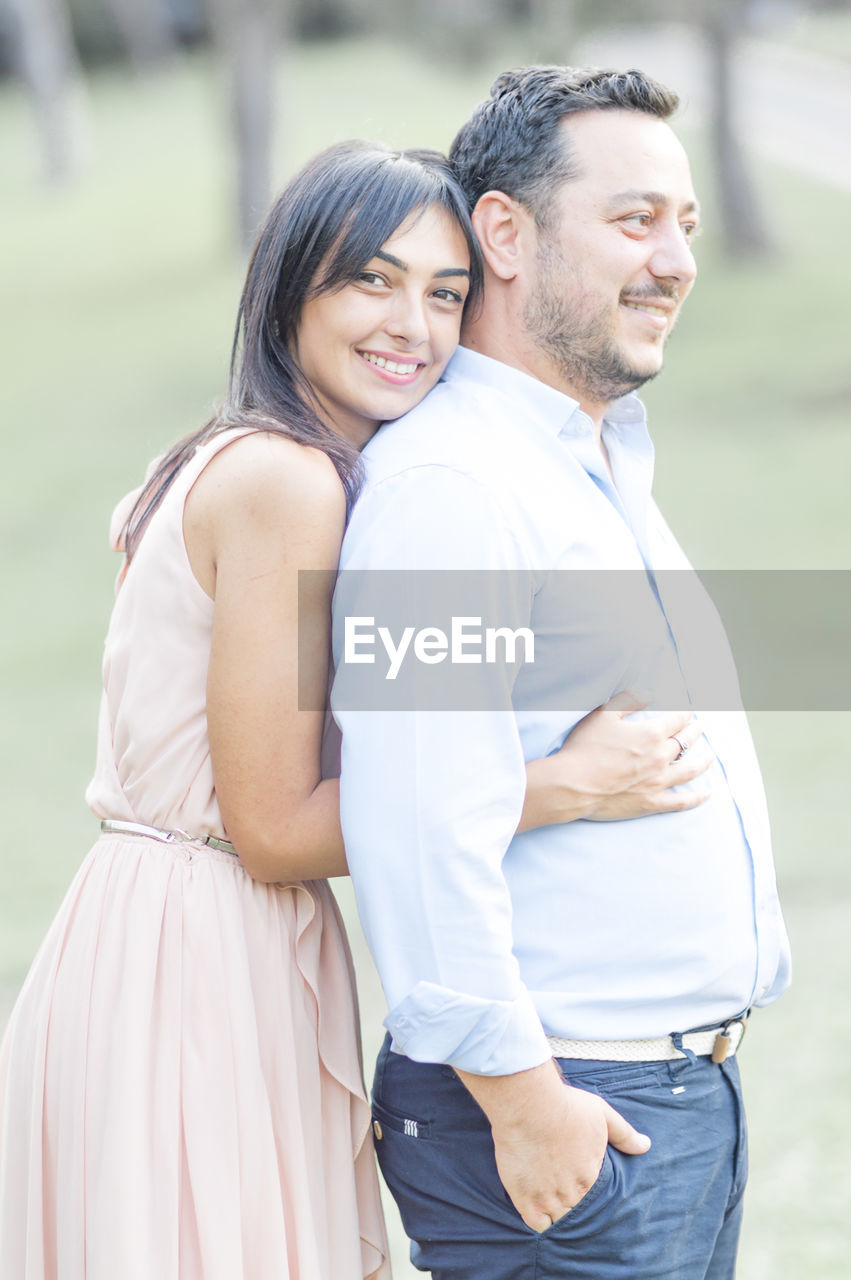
{"type": "Point", "coordinates": [575, 331]}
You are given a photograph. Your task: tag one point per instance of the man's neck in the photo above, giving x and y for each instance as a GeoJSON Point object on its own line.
{"type": "Point", "coordinates": [531, 360]}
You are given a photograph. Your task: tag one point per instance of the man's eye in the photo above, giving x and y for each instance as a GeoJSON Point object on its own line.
{"type": "Point", "coordinates": [690, 230]}
{"type": "Point", "coordinates": [642, 220]}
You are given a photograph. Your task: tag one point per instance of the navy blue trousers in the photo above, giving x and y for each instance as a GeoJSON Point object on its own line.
{"type": "Point", "coordinates": [671, 1214]}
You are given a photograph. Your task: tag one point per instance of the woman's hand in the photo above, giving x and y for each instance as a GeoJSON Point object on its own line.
{"type": "Point", "coordinates": [612, 767]}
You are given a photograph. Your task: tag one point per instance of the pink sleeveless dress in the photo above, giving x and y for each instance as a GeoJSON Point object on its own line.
{"type": "Point", "coordinates": [180, 1082]}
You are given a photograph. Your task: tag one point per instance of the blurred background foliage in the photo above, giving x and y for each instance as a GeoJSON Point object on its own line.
{"type": "Point", "coordinates": [49, 44]}
{"type": "Point", "coordinates": [140, 144]}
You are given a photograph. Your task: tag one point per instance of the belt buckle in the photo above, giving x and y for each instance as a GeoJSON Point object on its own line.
{"type": "Point", "coordinates": [721, 1048]}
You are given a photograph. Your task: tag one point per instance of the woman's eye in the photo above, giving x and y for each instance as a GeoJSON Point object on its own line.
{"type": "Point", "coordinates": [448, 295]}
{"type": "Point", "coordinates": [370, 278]}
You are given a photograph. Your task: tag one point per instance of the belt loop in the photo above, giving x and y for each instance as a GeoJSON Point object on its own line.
{"type": "Point", "coordinates": [688, 1059]}
{"type": "Point", "coordinates": [688, 1055]}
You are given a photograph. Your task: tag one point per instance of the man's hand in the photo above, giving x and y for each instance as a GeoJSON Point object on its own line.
{"type": "Point", "coordinates": [612, 767]}
{"type": "Point", "coordinates": [549, 1139]}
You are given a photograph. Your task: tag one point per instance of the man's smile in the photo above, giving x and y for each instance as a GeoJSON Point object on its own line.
{"type": "Point", "coordinates": [651, 308]}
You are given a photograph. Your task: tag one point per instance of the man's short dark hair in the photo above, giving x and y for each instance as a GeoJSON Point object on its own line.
{"type": "Point", "coordinates": [512, 142]}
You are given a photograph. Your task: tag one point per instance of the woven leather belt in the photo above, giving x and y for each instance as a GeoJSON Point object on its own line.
{"type": "Point", "coordinates": [112, 827]}
{"type": "Point", "coordinates": [718, 1042]}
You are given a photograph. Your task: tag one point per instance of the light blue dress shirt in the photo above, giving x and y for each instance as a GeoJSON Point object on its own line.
{"type": "Point", "coordinates": [487, 941]}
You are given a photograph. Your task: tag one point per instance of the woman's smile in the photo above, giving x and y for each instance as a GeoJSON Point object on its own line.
{"type": "Point", "coordinates": [394, 368]}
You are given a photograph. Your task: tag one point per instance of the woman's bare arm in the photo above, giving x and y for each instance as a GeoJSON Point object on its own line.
{"type": "Point", "coordinates": [264, 509]}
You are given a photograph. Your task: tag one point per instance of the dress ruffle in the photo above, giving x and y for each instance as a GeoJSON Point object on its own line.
{"type": "Point", "coordinates": [246, 992]}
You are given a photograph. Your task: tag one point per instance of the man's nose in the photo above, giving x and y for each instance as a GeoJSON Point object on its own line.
{"type": "Point", "coordinates": [672, 258]}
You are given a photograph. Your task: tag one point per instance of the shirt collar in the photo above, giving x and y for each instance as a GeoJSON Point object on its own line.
{"type": "Point", "coordinates": [553, 408]}
{"type": "Point", "coordinates": [560, 412]}
{"type": "Point", "coordinates": [627, 412]}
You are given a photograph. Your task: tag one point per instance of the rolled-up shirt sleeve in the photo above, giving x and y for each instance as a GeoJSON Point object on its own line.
{"type": "Point", "coordinates": [431, 798]}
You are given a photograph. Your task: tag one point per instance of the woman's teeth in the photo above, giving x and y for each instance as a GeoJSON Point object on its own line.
{"type": "Point", "coordinates": [392, 366]}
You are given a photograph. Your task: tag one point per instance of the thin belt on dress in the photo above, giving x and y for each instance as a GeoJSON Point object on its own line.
{"type": "Point", "coordinates": [111, 826]}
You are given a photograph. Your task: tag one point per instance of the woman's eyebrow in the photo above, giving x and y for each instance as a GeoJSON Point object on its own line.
{"type": "Point", "coordinates": [394, 262]}
{"type": "Point", "coordinates": [403, 266]}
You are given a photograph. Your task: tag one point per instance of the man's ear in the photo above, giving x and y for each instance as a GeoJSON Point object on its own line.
{"type": "Point", "coordinates": [502, 227]}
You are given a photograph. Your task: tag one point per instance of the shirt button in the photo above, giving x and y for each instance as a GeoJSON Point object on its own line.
{"type": "Point", "coordinates": [377, 1130]}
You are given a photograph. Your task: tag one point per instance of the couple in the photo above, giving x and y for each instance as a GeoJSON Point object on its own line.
{"type": "Point", "coordinates": [571, 913]}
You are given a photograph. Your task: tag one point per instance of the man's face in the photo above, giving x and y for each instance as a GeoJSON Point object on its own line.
{"type": "Point", "coordinates": [613, 263]}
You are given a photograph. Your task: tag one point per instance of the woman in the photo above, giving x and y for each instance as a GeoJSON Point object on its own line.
{"type": "Point", "coordinates": [180, 1079]}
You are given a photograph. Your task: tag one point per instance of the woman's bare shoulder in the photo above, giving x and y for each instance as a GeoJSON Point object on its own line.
{"type": "Point", "coordinates": [265, 475]}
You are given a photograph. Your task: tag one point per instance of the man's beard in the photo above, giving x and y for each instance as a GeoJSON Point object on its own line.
{"type": "Point", "coordinates": [580, 344]}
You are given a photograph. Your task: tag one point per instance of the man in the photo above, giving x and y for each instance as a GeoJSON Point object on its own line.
{"type": "Point", "coordinates": [629, 952]}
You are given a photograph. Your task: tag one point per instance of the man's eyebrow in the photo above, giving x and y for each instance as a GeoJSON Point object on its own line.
{"type": "Point", "coordinates": [438, 275]}
{"type": "Point", "coordinates": [649, 197]}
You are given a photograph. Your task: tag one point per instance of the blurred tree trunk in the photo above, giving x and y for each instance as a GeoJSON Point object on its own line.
{"type": "Point", "coordinates": [322, 18]}
{"type": "Point", "coordinates": [145, 29]}
{"type": "Point", "coordinates": [743, 227]}
{"type": "Point", "coordinates": [251, 35]}
{"type": "Point", "coordinates": [46, 60]}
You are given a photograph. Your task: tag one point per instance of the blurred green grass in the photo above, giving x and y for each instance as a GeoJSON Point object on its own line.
{"type": "Point", "coordinates": [119, 296]}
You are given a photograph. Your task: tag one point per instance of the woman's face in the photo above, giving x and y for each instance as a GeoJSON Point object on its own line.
{"type": "Point", "coordinates": [372, 349]}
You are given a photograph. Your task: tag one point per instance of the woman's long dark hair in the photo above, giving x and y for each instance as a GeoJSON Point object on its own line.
{"type": "Point", "coordinates": [334, 215]}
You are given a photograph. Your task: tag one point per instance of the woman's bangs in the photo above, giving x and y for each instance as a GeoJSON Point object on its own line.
{"type": "Point", "coordinates": [375, 216]}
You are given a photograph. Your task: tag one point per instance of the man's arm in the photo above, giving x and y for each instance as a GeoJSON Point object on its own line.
{"type": "Point", "coordinates": [431, 799]}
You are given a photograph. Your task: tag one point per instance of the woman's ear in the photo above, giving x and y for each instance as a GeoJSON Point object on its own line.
{"type": "Point", "coordinates": [501, 227]}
